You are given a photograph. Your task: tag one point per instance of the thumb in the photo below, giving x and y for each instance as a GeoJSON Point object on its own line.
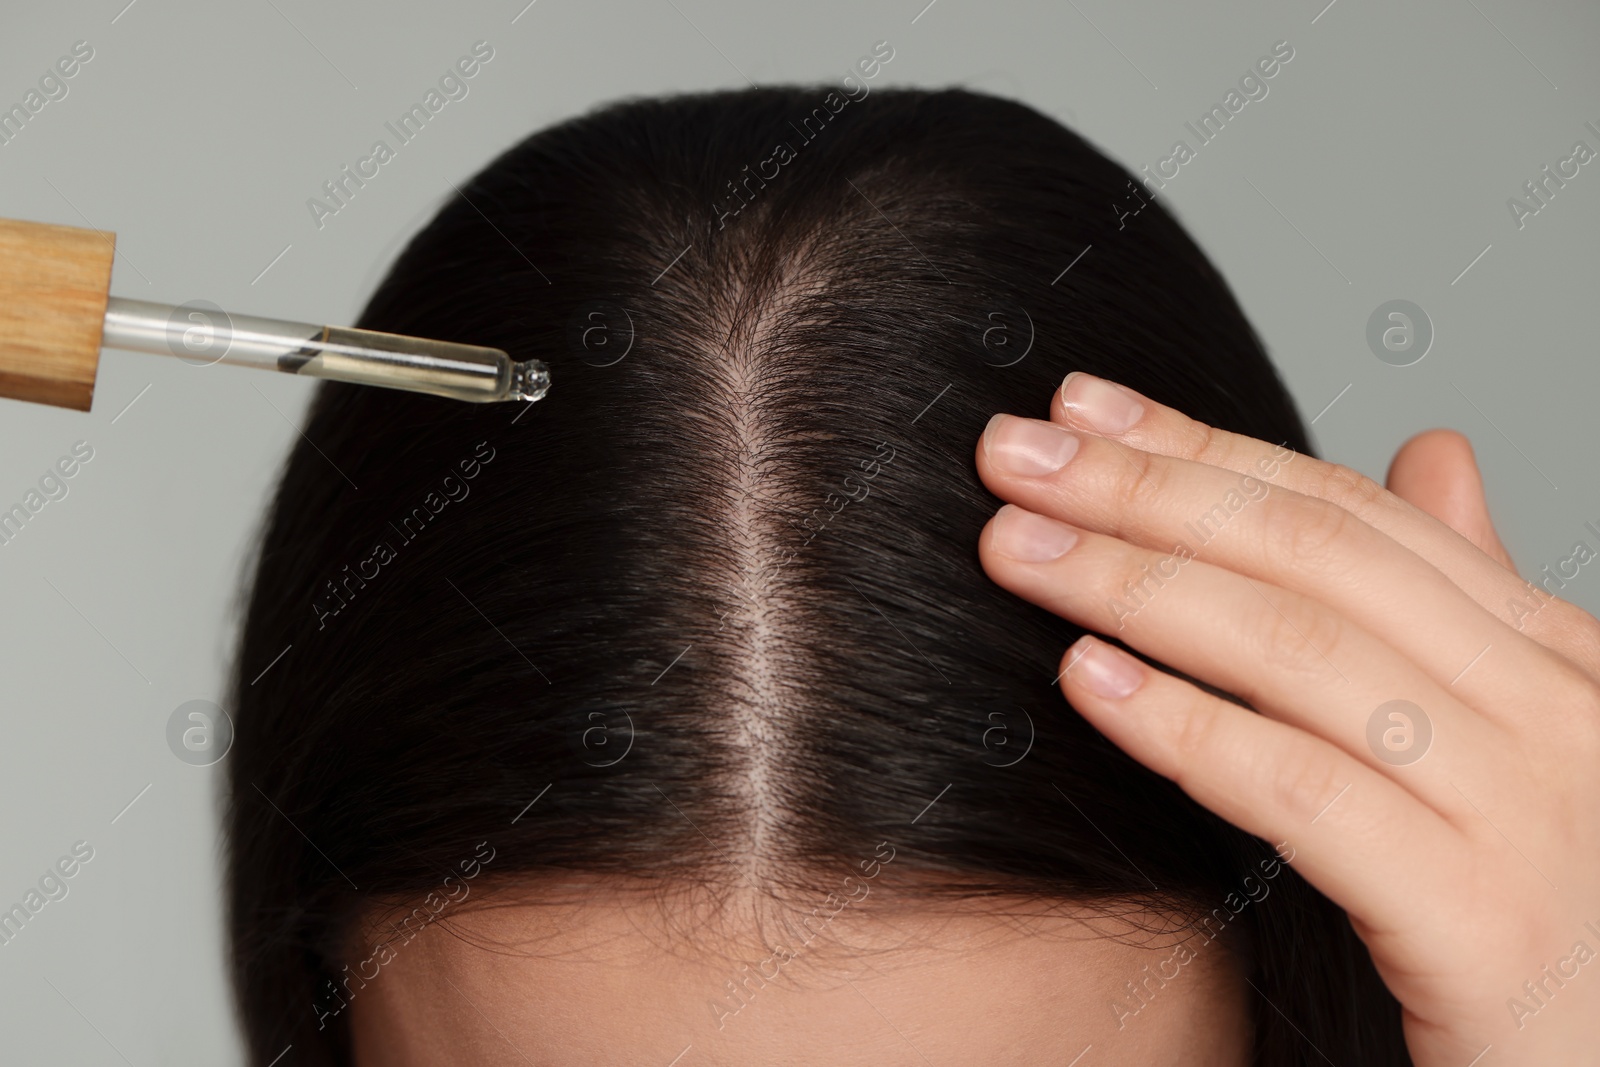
{"type": "Point", "coordinates": [1437, 472]}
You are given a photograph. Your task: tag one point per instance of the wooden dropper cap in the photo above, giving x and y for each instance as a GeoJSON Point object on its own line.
{"type": "Point", "coordinates": [54, 285]}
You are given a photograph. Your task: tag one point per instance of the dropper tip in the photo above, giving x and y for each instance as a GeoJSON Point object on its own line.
{"type": "Point", "coordinates": [530, 380]}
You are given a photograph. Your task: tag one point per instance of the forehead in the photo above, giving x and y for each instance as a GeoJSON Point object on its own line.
{"type": "Point", "coordinates": [621, 980]}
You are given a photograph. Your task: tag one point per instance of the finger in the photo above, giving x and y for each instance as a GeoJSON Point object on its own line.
{"type": "Point", "coordinates": [1298, 542]}
{"type": "Point", "coordinates": [1290, 657]}
{"type": "Point", "coordinates": [1355, 834]}
{"type": "Point", "coordinates": [1117, 412]}
{"type": "Point", "coordinates": [1437, 472]}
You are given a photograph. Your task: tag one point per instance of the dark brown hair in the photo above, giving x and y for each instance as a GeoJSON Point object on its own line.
{"type": "Point", "coordinates": [736, 547]}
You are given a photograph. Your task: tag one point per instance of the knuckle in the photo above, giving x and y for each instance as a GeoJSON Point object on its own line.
{"type": "Point", "coordinates": [1228, 451]}
{"type": "Point", "coordinates": [1350, 488]}
{"type": "Point", "coordinates": [1294, 778]}
{"type": "Point", "coordinates": [1199, 739]}
{"type": "Point", "coordinates": [1205, 445]}
{"type": "Point", "coordinates": [1136, 477]}
{"type": "Point", "coordinates": [1299, 636]}
{"type": "Point", "coordinates": [1301, 779]}
{"type": "Point", "coordinates": [1303, 534]}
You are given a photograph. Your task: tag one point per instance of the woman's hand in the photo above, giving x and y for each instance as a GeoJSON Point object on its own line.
{"type": "Point", "coordinates": [1429, 736]}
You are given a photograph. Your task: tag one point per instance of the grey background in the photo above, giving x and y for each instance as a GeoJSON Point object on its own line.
{"type": "Point", "coordinates": [1378, 167]}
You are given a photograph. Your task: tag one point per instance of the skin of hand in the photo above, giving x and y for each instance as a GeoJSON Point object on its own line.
{"type": "Point", "coordinates": [1460, 831]}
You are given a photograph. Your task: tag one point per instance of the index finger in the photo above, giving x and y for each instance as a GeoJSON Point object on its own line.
{"type": "Point", "coordinates": [1115, 412]}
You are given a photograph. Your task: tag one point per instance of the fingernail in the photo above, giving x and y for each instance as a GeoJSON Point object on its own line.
{"type": "Point", "coordinates": [1107, 671]}
{"type": "Point", "coordinates": [1027, 447]}
{"type": "Point", "coordinates": [1031, 538]}
{"type": "Point", "coordinates": [1106, 407]}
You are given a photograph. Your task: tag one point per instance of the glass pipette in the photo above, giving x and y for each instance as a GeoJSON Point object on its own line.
{"type": "Point", "coordinates": [200, 333]}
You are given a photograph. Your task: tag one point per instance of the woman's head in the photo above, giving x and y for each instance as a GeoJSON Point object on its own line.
{"type": "Point", "coordinates": [699, 647]}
